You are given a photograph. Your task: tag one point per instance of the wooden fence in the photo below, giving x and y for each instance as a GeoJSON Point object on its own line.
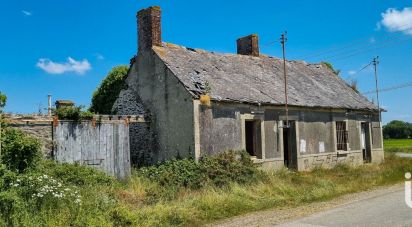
{"type": "Point", "coordinates": [104, 145]}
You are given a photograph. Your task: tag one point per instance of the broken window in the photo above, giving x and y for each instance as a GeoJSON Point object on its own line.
{"type": "Point", "coordinates": [341, 136]}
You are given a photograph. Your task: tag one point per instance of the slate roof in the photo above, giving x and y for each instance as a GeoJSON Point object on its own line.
{"type": "Point", "coordinates": [248, 79]}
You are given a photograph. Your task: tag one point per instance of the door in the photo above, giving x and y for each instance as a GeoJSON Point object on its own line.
{"type": "Point", "coordinates": [289, 144]}
{"type": "Point", "coordinates": [365, 142]}
{"type": "Point", "coordinates": [253, 138]}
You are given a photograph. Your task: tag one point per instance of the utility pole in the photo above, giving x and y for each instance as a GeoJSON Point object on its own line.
{"type": "Point", "coordinates": [49, 105]}
{"type": "Point", "coordinates": [283, 40]}
{"type": "Point", "coordinates": [375, 62]}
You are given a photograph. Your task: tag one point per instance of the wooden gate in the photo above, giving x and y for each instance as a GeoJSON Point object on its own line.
{"type": "Point", "coordinates": [104, 145]}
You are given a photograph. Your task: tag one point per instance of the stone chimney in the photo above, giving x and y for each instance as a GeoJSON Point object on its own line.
{"type": "Point", "coordinates": [149, 30]}
{"type": "Point", "coordinates": [248, 45]}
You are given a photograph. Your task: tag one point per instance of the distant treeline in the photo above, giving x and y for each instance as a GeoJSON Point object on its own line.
{"type": "Point", "coordinates": [397, 130]}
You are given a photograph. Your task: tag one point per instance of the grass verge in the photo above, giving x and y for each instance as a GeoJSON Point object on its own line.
{"type": "Point", "coordinates": [162, 195]}
{"type": "Point", "coordinates": [398, 145]}
{"type": "Point", "coordinates": [277, 189]}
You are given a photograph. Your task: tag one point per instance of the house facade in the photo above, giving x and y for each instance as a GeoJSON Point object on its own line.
{"type": "Point", "coordinates": [327, 122]}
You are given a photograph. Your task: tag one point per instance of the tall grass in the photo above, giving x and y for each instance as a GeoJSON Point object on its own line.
{"type": "Point", "coordinates": [283, 188]}
{"type": "Point", "coordinates": [147, 201]}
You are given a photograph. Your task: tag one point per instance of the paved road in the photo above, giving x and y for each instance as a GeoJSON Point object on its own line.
{"type": "Point", "coordinates": [383, 210]}
{"type": "Point", "coordinates": [404, 155]}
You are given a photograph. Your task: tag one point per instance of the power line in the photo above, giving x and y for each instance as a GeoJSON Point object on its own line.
{"type": "Point", "coordinates": [387, 43]}
{"type": "Point", "coordinates": [358, 71]}
{"type": "Point", "coordinates": [355, 43]}
{"type": "Point", "coordinates": [396, 87]}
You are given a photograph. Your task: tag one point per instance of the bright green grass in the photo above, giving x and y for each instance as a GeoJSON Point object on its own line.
{"type": "Point", "coordinates": [398, 145]}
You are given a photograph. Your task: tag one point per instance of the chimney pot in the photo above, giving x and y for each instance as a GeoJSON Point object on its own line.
{"type": "Point", "coordinates": [248, 45]}
{"type": "Point", "coordinates": [149, 28]}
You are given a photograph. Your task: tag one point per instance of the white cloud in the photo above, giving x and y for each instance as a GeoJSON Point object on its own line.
{"type": "Point", "coordinates": [372, 40]}
{"type": "Point", "coordinates": [79, 67]}
{"type": "Point", "coordinates": [398, 20]}
{"type": "Point", "coordinates": [351, 72]}
{"type": "Point", "coordinates": [378, 26]}
{"type": "Point", "coordinates": [27, 13]}
{"type": "Point", "coordinates": [99, 56]}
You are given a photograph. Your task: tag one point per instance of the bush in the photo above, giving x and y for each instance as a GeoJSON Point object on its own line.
{"type": "Point", "coordinates": [30, 193]}
{"type": "Point", "coordinates": [74, 174]}
{"type": "Point", "coordinates": [230, 167]}
{"type": "Point", "coordinates": [108, 91]}
{"type": "Point", "coordinates": [75, 113]}
{"type": "Point", "coordinates": [220, 170]}
{"type": "Point", "coordinates": [19, 151]}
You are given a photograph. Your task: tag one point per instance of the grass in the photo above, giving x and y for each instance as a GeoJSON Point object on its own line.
{"type": "Point", "coordinates": [145, 201]}
{"type": "Point", "coordinates": [279, 189]}
{"type": "Point", "coordinates": [398, 145]}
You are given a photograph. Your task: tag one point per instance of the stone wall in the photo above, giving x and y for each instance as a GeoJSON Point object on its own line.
{"type": "Point", "coordinates": [309, 162]}
{"type": "Point", "coordinates": [220, 129]}
{"type": "Point", "coordinates": [38, 126]}
{"type": "Point", "coordinates": [142, 146]}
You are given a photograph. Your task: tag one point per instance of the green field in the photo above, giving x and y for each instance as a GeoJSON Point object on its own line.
{"type": "Point", "coordinates": [398, 145]}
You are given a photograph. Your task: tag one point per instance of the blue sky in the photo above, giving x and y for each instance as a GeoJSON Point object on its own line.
{"type": "Point", "coordinates": [65, 48]}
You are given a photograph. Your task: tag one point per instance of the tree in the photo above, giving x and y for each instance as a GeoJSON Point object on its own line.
{"type": "Point", "coordinates": [397, 130]}
{"type": "Point", "coordinates": [108, 91]}
{"type": "Point", "coordinates": [3, 99]}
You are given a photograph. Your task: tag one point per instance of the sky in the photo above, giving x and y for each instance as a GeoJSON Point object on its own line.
{"type": "Point", "coordinates": [65, 48]}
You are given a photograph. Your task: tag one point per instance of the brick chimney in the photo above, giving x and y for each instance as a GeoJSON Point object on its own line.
{"type": "Point", "coordinates": [248, 45]}
{"type": "Point", "coordinates": [149, 30]}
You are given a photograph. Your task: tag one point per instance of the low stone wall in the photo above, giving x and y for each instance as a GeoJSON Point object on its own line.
{"type": "Point", "coordinates": [37, 126]}
{"type": "Point", "coordinates": [329, 160]}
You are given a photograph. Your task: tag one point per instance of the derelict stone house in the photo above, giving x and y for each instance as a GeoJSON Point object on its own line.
{"type": "Point", "coordinates": [328, 121]}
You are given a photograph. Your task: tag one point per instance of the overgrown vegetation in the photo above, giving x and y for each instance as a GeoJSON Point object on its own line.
{"type": "Point", "coordinates": [221, 170]}
{"type": "Point", "coordinates": [354, 85]}
{"type": "Point", "coordinates": [108, 91]}
{"type": "Point", "coordinates": [176, 193]}
{"type": "Point", "coordinates": [75, 113]}
{"type": "Point", "coordinates": [330, 66]}
{"type": "Point", "coordinates": [19, 151]}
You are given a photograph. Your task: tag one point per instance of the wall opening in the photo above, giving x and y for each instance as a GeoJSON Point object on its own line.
{"type": "Point", "coordinates": [365, 142]}
{"type": "Point", "coordinates": [253, 138]}
{"type": "Point", "coordinates": [341, 136]}
{"type": "Point", "coordinates": [289, 144]}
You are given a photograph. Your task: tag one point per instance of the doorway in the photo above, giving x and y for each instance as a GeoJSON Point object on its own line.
{"type": "Point", "coordinates": [365, 142]}
{"type": "Point", "coordinates": [289, 144]}
{"type": "Point", "coordinates": [253, 138]}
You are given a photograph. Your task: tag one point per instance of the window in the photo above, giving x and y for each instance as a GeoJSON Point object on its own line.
{"type": "Point", "coordinates": [341, 136]}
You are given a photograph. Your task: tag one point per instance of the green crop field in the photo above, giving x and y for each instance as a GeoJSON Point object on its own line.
{"type": "Point", "coordinates": [398, 145]}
